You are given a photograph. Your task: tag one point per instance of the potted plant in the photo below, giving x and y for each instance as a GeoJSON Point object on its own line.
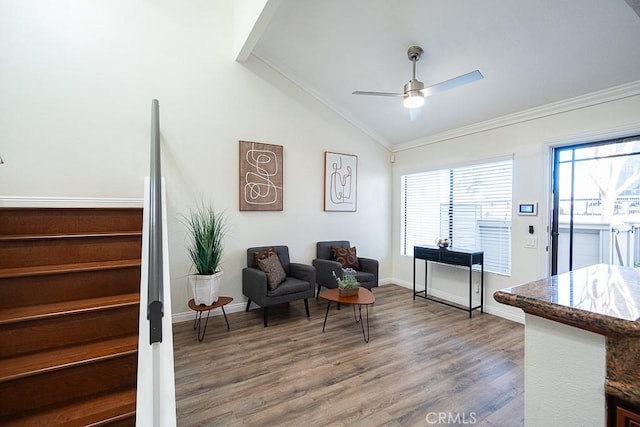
{"type": "Point", "coordinates": [348, 285]}
{"type": "Point", "coordinates": [206, 229]}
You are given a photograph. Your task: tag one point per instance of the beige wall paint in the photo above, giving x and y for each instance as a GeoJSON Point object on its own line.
{"type": "Point", "coordinates": [77, 80]}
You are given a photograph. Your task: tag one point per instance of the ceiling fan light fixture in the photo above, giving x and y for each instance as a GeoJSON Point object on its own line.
{"type": "Point", "coordinates": [414, 99]}
{"type": "Point", "coordinates": [413, 96]}
{"type": "Point", "coordinates": [415, 92]}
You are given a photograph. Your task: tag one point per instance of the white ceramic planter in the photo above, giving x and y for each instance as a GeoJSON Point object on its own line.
{"type": "Point", "coordinates": [206, 289]}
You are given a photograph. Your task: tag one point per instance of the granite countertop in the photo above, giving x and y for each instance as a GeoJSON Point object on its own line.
{"type": "Point", "coordinates": [601, 298]}
{"type": "Point", "coordinates": [604, 299]}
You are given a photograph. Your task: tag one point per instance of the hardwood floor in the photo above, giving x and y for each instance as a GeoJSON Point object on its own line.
{"type": "Point", "coordinates": [424, 361]}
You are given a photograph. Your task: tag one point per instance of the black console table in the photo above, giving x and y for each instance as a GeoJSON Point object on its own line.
{"type": "Point", "coordinates": [461, 257]}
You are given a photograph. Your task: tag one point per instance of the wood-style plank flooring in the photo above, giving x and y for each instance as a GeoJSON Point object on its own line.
{"type": "Point", "coordinates": [424, 361]}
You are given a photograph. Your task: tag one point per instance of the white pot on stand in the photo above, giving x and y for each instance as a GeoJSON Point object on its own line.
{"type": "Point", "coordinates": [206, 289]}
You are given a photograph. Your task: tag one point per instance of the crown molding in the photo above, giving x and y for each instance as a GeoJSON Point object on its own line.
{"type": "Point", "coordinates": [594, 98]}
{"type": "Point", "coordinates": [352, 121]}
{"type": "Point", "coordinates": [576, 103]}
{"type": "Point", "coordinates": [635, 5]}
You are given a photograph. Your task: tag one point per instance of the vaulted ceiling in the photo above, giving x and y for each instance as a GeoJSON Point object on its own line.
{"type": "Point", "coordinates": [536, 57]}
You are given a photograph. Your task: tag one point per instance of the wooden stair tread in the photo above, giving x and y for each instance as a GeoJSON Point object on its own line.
{"type": "Point", "coordinates": [14, 237]}
{"type": "Point", "coordinates": [69, 291]}
{"type": "Point", "coordinates": [67, 268]}
{"type": "Point", "coordinates": [35, 363]}
{"type": "Point", "coordinates": [92, 410]}
{"type": "Point", "coordinates": [42, 311]}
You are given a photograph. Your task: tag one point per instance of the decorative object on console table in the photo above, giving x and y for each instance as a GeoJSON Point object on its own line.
{"type": "Point", "coordinates": [206, 229]}
{"type": "Point", "coordinates": [261, 176]}
{"type": "Point", "coordinates": [340, 182]}
{"type": "Point", "coordinates": [348, 285]}
{"type": "Point", "coordinates": [442, 242]}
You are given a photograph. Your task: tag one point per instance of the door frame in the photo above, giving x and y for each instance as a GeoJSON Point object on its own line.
{"type": "Point", "coordinates": [555, 196]}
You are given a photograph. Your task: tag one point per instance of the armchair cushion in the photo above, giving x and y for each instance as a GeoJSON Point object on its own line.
{"type": "Point", "coordinates": [366, 274]}
{"type": "Point", "coordinates": [346, 257]}
{"type": "Point", "coordinates": [258, 255]}
{"type": "Point", "coordinates": [290, 286]}
{"type": "Point", "coordinates": [273, 269]}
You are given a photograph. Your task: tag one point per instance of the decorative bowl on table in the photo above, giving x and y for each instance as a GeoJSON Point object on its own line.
{"type": "Point", "coordinates": [442, 243]}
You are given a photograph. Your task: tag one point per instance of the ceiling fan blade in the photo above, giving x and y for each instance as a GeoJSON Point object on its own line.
{"type": "Point", "coordinates": [453, 83]}
{"type": "Point", "coordinates": [359, 92]}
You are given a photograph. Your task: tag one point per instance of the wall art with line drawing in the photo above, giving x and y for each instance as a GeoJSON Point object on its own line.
{"type": "Point", "coordinates": [261, 176]}
{"type": "Point", "coordinates": [340, 182]}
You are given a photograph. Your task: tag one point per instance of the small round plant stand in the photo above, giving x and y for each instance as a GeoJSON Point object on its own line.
{"type": "Point", "coordinates": [222, 301]}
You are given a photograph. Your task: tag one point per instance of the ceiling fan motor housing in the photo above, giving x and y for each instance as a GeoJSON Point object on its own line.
{"type": "Point", "coordinates": [412, 87]}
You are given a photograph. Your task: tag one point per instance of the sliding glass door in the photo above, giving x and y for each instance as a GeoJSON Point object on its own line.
{"type": "Point", "coordinates": [596, 199]}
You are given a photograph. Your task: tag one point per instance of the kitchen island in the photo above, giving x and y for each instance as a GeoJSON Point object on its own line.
{"type": "Point", "coordinates": [582, 345]}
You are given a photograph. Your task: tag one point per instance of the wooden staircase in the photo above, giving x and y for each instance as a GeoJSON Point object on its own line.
{"type": "Point", "coordinates": [69, 304]}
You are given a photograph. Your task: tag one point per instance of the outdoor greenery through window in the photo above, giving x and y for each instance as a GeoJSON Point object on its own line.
{"type": "Point", "coordinates": [471, 206]}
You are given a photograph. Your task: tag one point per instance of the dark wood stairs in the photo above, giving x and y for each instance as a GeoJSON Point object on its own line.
{"type": "Point", "coordinates": [69, 306]}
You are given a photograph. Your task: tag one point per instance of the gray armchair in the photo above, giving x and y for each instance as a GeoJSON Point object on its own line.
{"type": "Point", "coordinates": [366, 275]}
{"type": "Point", "coordinates": [299, 282]}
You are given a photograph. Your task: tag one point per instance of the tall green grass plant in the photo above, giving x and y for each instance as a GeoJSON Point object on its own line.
{"type": "Point", "coordinates": [206, 229]}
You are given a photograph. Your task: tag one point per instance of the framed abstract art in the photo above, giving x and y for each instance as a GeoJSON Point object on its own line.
{"type": "Point", "coordinates": [340, 182]}
{"type": "Point", "coordinates": [261, 176]}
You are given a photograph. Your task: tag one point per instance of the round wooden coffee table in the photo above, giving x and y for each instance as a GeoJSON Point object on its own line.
{"type": "Point", "coordinates": [222, 301]}
{"type": "Point", "coordinates": [364, 298]}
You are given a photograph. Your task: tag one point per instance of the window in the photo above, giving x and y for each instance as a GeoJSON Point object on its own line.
{"type": "Point", "coordinates": [471, 206]}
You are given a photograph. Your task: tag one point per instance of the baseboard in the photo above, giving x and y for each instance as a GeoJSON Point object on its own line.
{"type": "Point", "coordinates": [500, 311]}
{"type": "Point", "coordinates": [190, 315]}
{"type": "Point", "coordinates": [515, 315]}
{"type": "Point", "coordinates": [436, 293]}
{"type": "Point", "coordinates": [235, 307]}
{"type": "Point", "coordinates": [505, 313]}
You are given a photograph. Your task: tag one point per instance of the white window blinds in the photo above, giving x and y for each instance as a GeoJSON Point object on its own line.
{"type": "Point", "coordinates": [471, 206]}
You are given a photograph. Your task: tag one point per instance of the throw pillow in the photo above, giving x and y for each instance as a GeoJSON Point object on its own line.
{"type": "Point", "coordinates": [272, 267]}
{"type": "Point", "coordinates": [346, 256]}
{"type": "Point", "coordinates": [263, 254]}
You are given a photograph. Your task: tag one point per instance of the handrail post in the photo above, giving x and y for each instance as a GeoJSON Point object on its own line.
{"type": "Point", "coordinates": [155, 302]}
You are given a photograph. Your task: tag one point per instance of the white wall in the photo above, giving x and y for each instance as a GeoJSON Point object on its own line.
{"type": "Point", "coordinates": [76, 84]}
{"type": "Point", "coordinates": [529, 143]}
{"type": "Point", "coordinates": [564, 375]}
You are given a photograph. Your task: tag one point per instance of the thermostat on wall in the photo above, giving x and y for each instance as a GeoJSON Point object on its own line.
{"type": "Point", "coordinates": [528, 209]}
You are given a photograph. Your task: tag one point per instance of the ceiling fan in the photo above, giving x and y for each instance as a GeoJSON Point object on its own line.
{"type": "Point", "coordinates": [414, 90]}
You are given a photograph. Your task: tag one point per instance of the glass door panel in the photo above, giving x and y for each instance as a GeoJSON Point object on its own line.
{"type": "Point", "coordinates": [596, 192]}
